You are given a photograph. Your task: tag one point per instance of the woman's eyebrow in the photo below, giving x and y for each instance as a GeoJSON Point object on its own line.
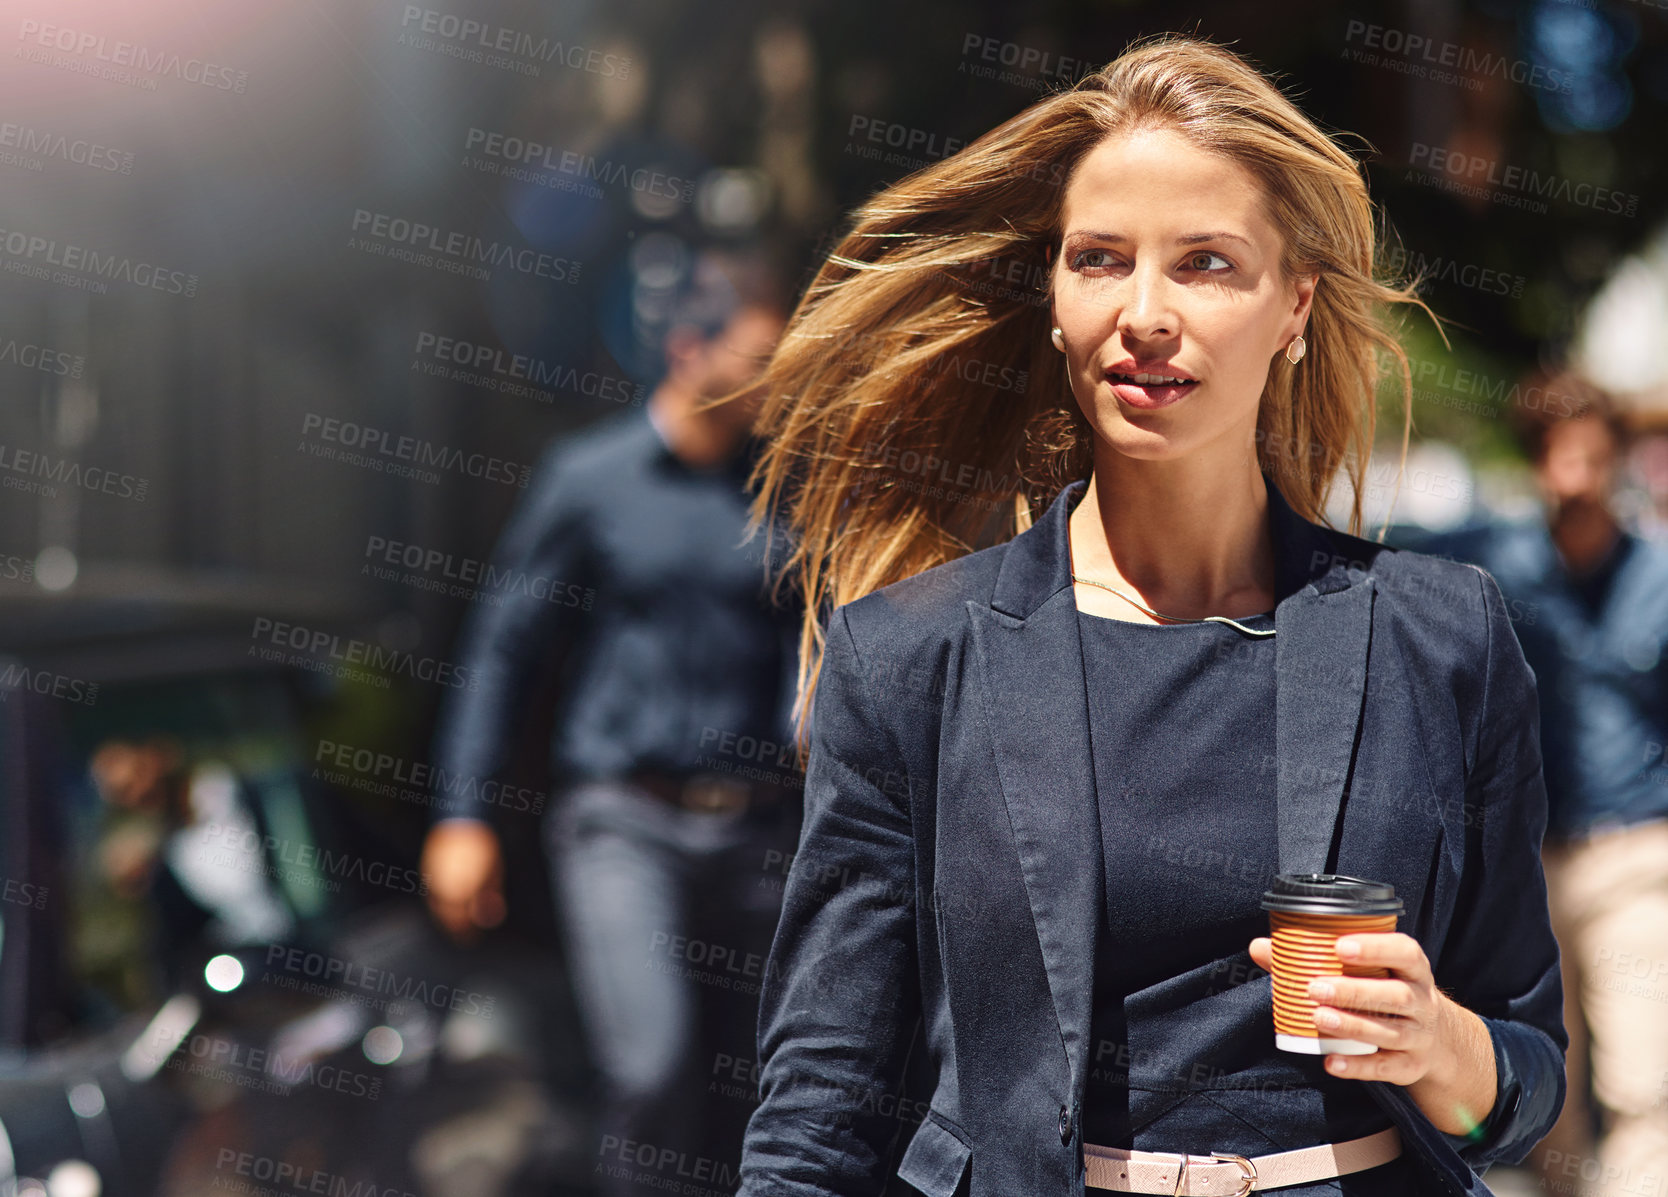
{"type": "Point", "coordinates": [1184, 239]}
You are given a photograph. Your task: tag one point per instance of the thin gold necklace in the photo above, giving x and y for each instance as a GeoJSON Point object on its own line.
{"type": "Point", "coordinates": [1174, 618]}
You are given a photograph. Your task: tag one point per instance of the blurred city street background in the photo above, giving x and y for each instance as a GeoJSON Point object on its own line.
{"type": "Point", "coordinates": [296, 298]}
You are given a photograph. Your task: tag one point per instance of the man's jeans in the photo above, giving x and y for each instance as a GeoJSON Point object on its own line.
{"type": "Point", "coordinates": [668, 916]}
{"type": "Point", "coordinates": [1608, 896]}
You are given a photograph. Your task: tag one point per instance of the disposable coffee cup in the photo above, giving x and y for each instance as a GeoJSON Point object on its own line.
{"type": "Point", "coordinates": [1307, 912]}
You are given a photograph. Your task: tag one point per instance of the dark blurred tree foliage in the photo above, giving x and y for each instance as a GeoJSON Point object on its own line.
{"type": "Point", "coordinates": [913, 66]}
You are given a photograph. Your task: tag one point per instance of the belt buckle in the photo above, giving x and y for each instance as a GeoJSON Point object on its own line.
{"type": "Point", "coordinates": [1250, 1170]}
{"type": "Point", "coordinates": [714, 794]}
{"type": "Point", "coordinates": [1181, 1176]}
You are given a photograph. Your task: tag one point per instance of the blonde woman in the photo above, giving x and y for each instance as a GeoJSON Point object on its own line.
{"type": "Point", "coordinates": [1053, 765]}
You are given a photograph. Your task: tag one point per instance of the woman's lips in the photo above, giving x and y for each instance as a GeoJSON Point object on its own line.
{"type": "Point", "coordinates": [1148, 395]}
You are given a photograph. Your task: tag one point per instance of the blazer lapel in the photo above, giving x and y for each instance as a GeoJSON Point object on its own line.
{"type": "Point", "coordinates": [1320, 663]}
{"type": "Point", "coordinates": [1031, 659]}
{"type": "Point", "coordinates": [1037, 707]}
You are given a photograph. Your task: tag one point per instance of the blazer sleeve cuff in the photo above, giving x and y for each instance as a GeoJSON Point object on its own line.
{"type": "Point", "coordinates": [1527, 1099]}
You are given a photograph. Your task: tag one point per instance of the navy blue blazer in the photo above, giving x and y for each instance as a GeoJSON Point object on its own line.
{"type": "Point", "coordinates": [948, 883]}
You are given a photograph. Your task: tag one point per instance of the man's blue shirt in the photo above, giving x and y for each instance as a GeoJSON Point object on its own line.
{"type": "Point", "coordinates": [624, 578]}
{"type": "Point", "coordinates": [1597, 645]}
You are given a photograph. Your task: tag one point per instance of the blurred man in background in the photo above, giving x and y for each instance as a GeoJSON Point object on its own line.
{"type": "Point", "coordinates": [675, 795]}
{"type": "Point", "coordinates": [1589, 603]}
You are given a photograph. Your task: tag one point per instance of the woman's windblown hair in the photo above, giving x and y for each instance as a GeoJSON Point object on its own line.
{"type": "Point", "coordinates": [915, 409]}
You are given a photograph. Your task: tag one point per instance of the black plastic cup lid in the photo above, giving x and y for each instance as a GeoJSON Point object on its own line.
{"type": "Point", "coordinates": [1330, 893]}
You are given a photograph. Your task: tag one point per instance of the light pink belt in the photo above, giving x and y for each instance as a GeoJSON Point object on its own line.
{"type": "Point", "coordinates": [1224, 1174]}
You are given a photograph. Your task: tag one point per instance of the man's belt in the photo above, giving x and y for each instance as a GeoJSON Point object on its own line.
{"type": "Point", "coordinates": [710, 792]}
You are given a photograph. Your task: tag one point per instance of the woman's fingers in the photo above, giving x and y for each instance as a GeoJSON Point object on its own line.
{"type": "Point", "coordinates": [1388, 996]}
{"type": "Point", "coordinates": [1394, 950]}
{"type": "Point", "coordinates": [1384, 1031]}
{"type": "Point", "coordinates": [1399, 1068]}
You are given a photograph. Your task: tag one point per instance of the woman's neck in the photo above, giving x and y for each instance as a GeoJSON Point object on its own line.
{"type": "Point", "coordinates": [1188, 538]}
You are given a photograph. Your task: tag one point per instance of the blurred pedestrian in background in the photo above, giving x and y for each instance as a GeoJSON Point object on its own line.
{"type": "Point", "coordinates": [1588, 597]}
{"type": "Point", "coordinates": [180, 872]}
{"type": "Point", "coordinates": [675, 800]}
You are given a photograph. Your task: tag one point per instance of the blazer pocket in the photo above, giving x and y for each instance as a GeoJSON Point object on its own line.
{"type": "Point", "coordinates": [935, 1159]}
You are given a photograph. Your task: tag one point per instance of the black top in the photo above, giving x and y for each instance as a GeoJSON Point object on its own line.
{"type": "Point", "coordinates": [1182, 1050]}
{"type": "Point", "coordinates": [624, 577]}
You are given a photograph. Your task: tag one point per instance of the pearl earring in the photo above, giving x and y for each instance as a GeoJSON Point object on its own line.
{"type": "Point", "coordinates": [1296, 350]}
{"type": "Point", "coordinates": [1058, 339]}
